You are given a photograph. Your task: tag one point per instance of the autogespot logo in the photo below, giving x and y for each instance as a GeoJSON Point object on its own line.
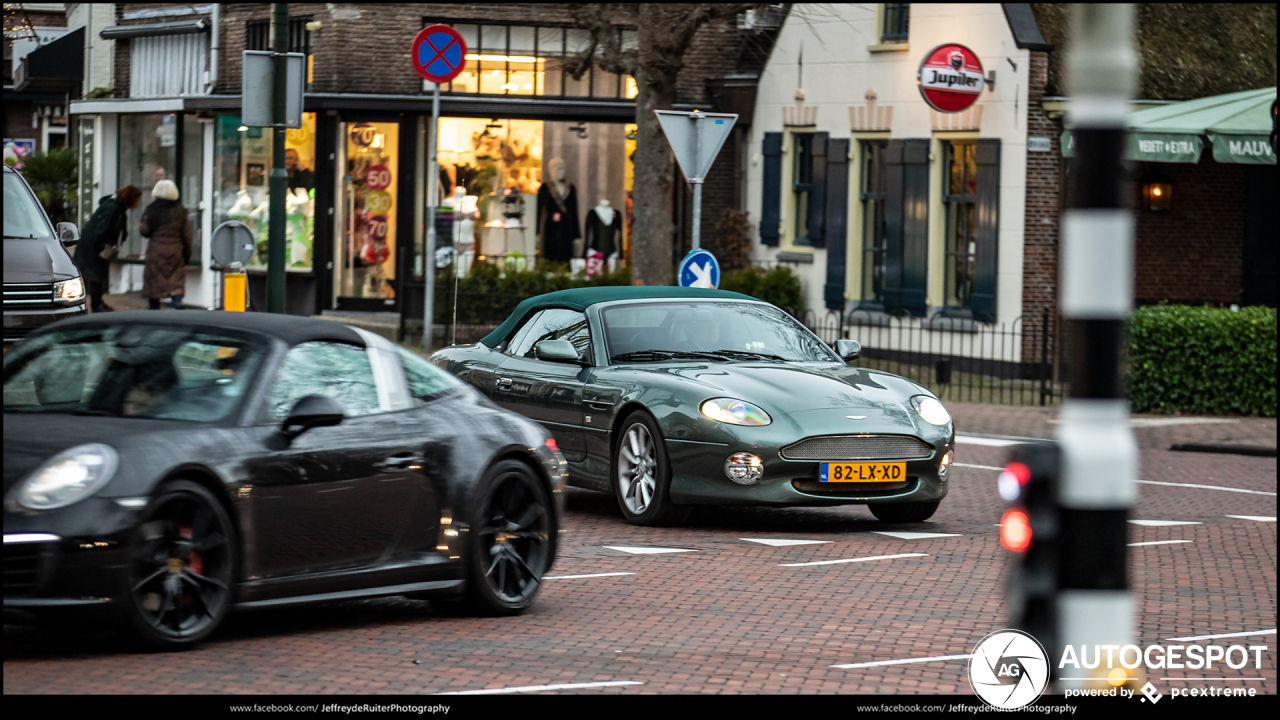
{"type": "Point", "coordinates": [1009, 669]}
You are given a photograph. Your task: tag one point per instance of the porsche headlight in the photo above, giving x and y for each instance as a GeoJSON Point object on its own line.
{"type": "Point", "coordinates": [931, 410]}
{"type": "Point", "coordinates": [69, 291]}
{"type": "Point", "coordinates": [734, 412]}
{"type": "Point", "coordinates": [68, 477]}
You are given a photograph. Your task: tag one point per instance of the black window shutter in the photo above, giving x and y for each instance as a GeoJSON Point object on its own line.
{"type": "Point", "coordinates": [837, 190]}
{"type": "Point", "coordinates": [907, 226]}
{"type": "Point", "coordinates": [817, 196]}
{"type": "Point", "coordinates": [771, 198]}
{"type": "Point", "coordinates": [986, 232]}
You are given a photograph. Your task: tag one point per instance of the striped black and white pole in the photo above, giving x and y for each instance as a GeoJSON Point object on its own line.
{"type": "Point", "coordinates": [1099, 467]}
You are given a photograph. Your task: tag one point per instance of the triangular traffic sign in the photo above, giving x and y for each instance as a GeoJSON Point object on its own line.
{"type": "Point", "coordinates": [695, 138]}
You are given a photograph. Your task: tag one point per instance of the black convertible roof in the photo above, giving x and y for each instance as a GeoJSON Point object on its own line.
{"type": "Point", "coordinates": [293, 329]}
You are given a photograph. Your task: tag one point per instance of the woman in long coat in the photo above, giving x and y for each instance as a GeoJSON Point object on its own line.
{"type": "Point", "coordinates": [106, 229]}
{"type": "Point", "coordinates": [165, 221]}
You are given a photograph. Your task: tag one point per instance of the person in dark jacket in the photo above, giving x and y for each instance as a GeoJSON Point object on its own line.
{"type": "Point", "coordinates": [102, 236]}
{"type": "Point", "coordinates": [165, 221]}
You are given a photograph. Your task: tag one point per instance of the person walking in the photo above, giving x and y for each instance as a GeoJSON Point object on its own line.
{"type": "Point", "coordinates": [100, 242]}
{"type": "Point", "coordinates": [164, 273]}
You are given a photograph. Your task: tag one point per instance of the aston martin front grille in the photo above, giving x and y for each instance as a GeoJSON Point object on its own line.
{"type": "Point", "coordinates": [857, 447]}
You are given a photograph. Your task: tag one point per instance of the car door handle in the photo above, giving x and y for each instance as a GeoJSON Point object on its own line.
{"type": "Point", "coordinates": [400, 461]}
{"type": "Point", "coordinates": [504, 383]}
{"type": "Point", "coordinates": [597, 405]}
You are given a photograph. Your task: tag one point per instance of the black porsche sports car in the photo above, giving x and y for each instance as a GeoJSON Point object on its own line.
{"type": "Point", "coordinates": [672, 397]}
{"type": "Point", "coordinates": [165, 468]}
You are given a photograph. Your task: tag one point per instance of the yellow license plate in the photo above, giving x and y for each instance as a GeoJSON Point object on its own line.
{"type": "Point", "coordinates": [862, 472]}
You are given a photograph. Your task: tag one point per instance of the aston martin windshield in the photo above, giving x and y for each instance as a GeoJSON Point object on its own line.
{"type": "Point", "coordinates": [146, 371]}
{"type": "Point", "coordinates": [724, 331]}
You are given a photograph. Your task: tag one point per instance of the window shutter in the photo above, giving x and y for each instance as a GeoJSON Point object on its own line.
{"type": "Point", "coordinates": [907, 225]}
{"type": "Point", "coordinates": [771, 197]}
{"type": "Point", "coordinates": [986, 232]}
{"type": "Point", "coordinates": [817, 196]}
{"type": "Point", "coordinates": [837, 191]}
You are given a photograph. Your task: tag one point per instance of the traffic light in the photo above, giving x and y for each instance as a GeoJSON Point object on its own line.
{"type": "Point", "coordinates": [1030, 529]}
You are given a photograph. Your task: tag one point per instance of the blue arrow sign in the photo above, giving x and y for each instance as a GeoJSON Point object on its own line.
{"type": "Point", "coordinates": [699, 269]}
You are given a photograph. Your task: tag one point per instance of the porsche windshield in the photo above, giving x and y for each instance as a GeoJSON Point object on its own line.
{"type": "Point", "coordinates": [708, 331]}
{"type": "Point", "coordinates": [145, 371]}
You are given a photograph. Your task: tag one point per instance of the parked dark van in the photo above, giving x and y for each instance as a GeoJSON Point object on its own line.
{"type": "Point", "coordinates": [41, 284]}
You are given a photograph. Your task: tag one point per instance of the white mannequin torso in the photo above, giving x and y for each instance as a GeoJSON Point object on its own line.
{"type": "Point", "coordinates": [605, 211]}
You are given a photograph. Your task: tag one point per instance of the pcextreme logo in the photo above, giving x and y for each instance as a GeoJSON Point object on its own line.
{"type": "Point", "coordinates": [1009, 669]}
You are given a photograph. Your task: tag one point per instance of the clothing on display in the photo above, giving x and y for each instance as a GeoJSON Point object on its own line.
{"type": "Point", "coordinates": [603, 230]}
{"type": "Point", "coordinates": [558, 220]}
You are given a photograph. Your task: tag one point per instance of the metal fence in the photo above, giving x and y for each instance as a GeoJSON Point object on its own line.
{"type": "Point", "coordinates": [1013, 363]}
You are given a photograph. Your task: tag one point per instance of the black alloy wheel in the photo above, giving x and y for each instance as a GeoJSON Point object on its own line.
{"type": "Point", "coordinates": [909, 512]}
{"type": "Point", "coordinates": [181, 567]}
{"type": "Point", "coordinates": [510, 545]}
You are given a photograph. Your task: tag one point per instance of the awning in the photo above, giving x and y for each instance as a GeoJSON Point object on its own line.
{"type": "Point", "coordinates": [54, 68]}
{"type": "Point", "coordinates": [1238, 126]}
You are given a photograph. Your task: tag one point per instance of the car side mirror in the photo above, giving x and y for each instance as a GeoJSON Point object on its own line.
{"type": "Point", "coordinates": [311, 411]}
{"type": "Point", "coordinates": [556, 351]}
{"type": "Point", "coordinates": [848, 349]}
{"type": "Point", "coordinates": [68, 234]}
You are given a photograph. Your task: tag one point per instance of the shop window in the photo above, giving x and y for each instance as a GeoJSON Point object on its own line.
{"type": "Point", "coordinates": [242, 166]}
{"type": "Point", "coordinates": [960, 207]}
{"type": "Point", "coordinates": [157, 147]}
{"type": "Point", "coordinates": [873, 195]}
{"type": "Point", "coordinates": [365, 255]}
{"type": "Point", "coordinates": [894, 19]}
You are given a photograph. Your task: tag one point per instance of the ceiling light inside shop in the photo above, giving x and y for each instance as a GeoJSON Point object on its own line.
{"type": "Point", "coordinates": [243, 128]}
{"type": "Point", "coordinates": [528, 86]}
{"type": "Point", "coordinates": [505, 58]}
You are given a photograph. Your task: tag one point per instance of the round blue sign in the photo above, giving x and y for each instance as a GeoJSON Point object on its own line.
{"type": "Point", "coordinates": [699, 269]}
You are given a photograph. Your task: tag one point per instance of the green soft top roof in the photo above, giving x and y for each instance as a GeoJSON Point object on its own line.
{"type": "Point", "coordinates": [582, 298]}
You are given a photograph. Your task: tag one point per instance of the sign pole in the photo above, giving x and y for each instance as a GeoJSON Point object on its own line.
{"type": "Point", "coordinates": [697, 213]}
{"type": "Point", "coordinates": [429, 253]}
{"type": "Point", "coordinates": [279, 181]}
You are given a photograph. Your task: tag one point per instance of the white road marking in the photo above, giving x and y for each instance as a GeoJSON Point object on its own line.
{"type": "Point", "coordinates": [647, 550]}
{"type": "Point", "coordinates": [851, 560]}
{"type": "Point", "coordinates": [940, 658]}
{"type": "Point", "coordinates": [1159, 542]}
{"type": "Point", "coordinates": [783, 543]}
{"type": "Point", "coordinates": [904, 535]}
{"type": "Point", "coordinates": [1163, 422]}
{"type": "Point", "coordinates": [1256, 518]}
{"type": "Point", "coordinates": [1211, 637]}
{"type": "Point", "coordinates": [989, 442]}
{"type": "Point", "coordinates": [980, 467]}
{"type": "Point", "coordinates": [541, 688]}
{"type": "Point", "coordinates": [575, 577]}
{"type": "Point", "coordinates": [1207, 487]}
{"type": "Point", "coordinates": [1163, 523]}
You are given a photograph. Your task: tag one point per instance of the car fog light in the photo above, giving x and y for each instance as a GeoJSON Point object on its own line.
{"type": "Point", "coordinates": [744, 468]}
{"type": "Point", "coordinates": [945, 465]}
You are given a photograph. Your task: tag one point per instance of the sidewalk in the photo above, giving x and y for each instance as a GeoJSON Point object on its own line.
{"type": "Point", "coordinates": [131, 301]}
{"type": "Point", "coordinates": [1151, 431]}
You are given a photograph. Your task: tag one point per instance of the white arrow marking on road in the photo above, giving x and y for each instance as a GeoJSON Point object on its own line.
{"type": "Point", "coordinates": [880, 663]}
{"type": "Point", "coordinates": [865, 559]}
{"type": "Point", "coordinates": [1211, 637]}
{"type": "Point", "coordinates": [1207, 487]}
{"type": "Point", "coordinates": [1257, 518]}
{"type": "Point", "coordinates": [703, 273]}
{"type": "Point", "coordinates": [1163, 523]}
{"type": "Point", "coordinates": [783, 543]}
{"type": "Point", "coordinates": [646, 550]}
{"type": "Point", "coordinates": [1159, 542]}
{"type": "Point", "coordinates": [990, 442]}
{"type": "Point", "coordinates": [904, 535]}
{"type": "Point", "coordinates": [540, 688]}
{"type": "Point", "coordinates": [575, 577]}
{"type": "Point", "coordinates": [980, 467]}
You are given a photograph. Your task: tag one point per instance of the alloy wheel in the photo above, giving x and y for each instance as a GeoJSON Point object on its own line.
{"type": "Point", "coordinates": [637, 469]}
{"type": "Point", "coordinates": [180, 567]}
{"type": "Point", "coordinates": [514, 538]}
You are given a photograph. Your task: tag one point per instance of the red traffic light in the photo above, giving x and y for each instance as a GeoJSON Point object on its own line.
{"type": "Point", "coordinates": [1011, 481]}
{"type": "Point", "coordinates": [1015, 530]}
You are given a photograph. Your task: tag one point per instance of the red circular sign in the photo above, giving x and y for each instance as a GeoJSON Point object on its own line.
{"type": "Point", "coordinates": [378, 177]}
{"type": "Point", "coordinates": [439, 53]}
{"type": "Point", "coordinates": [950, 78]}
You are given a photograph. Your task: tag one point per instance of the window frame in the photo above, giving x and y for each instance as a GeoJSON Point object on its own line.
{"type": "Point", "coordinates": [898, 14]}
{"type": "Point", "coordinates": [955, 205]}
{"type": "Point", "coordinates": [801, 167]}
{"type": "Point", "coordinates": [873, 209]}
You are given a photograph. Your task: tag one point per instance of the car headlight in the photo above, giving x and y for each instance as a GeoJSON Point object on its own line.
{"type": "Point", "coordinates": [68, 477]}
{"type": "Point", "coordinates": [734, 412]}
{"type": "Point", "coordinates": [69, 290]}
{"type": "Point", "coordinates": [931, 410]}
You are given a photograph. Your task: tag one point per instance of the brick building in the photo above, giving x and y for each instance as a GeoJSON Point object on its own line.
{"type": "Point", "coordinates": [357, 218]}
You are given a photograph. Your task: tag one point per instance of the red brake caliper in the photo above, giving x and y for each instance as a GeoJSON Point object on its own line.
{"type": "Point", "coordinates": [193, 561]}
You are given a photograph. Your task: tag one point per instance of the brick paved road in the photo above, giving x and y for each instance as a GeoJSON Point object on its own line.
{"type": "Point", "coordinates": [727, 618]}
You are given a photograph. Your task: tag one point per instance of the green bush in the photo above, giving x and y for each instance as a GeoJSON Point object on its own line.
{"type": "Point", "coordinates": [52, 176]}
{"type": "Point", "coordinates": [779, 286]}
{"type": "Point", "coordinates": [1203, 360]}
{"type": "Point", "coordinates": [487, 296]}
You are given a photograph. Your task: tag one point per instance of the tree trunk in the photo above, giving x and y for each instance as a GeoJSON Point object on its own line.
{"type": "Point", "coordinates": [651, 243]}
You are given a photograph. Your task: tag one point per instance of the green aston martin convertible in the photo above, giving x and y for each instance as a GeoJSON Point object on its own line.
{"type": "Point", "coordinates": [672, 397]}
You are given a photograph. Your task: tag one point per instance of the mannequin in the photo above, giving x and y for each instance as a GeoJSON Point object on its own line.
{"type": "Point", "coordinates": [464, 208]}
{"type": "Point", "coordinates": [557, 223]}
{"type": "Point", "coordinates": [603, 230]}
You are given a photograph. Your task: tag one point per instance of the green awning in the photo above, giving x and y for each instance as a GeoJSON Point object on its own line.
{"type": "Point", "coordinates": [1237, 124]}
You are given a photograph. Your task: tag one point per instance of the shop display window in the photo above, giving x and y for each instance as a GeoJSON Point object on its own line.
{"type": "Point", "coordinates": [155, 147]}
{"type": "Point", "coordinates": [242, 158]}
{"type": "Point", "coordinates": [366, 215]}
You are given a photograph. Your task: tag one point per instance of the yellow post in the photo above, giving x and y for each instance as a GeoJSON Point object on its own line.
{"type": "Point", "coordinates": [235, 292]}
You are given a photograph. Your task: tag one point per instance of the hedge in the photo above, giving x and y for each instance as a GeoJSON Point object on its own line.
{"type": "Point", "coordinates": [1202, 360]}
{"type": "Point", "coordinates": [779, 286]}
